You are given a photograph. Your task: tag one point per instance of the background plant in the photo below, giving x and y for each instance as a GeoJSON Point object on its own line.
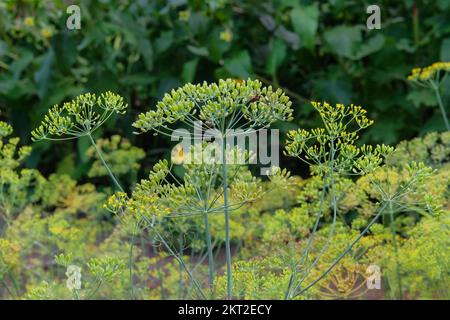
{"type": "Point", "coordinates": [315, 50]}
{"type": "Point", "coordinates": [144, 49]}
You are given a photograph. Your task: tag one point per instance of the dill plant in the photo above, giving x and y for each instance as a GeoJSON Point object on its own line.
{"type": "Point", "coordinates": [432, 77]}
{"type": "Point", "coordinates": [14, 196]}
{"type": "Point", "coordinates": [14, 180]}
{"type": "Point", "coordinates": [81, 118]}
{"type": "Point", "coordinates": [164, 204]}
{"type": "Point", "coordinates": [330, 151]}
{"type": "Point", "coordinates": [25, 201]}
{"type": "Point", "coordinates": [224, 106]}
{"type": "Point", "coordinates": [404, 189]}
{"type": "Point", "coordinates": [230, 104]}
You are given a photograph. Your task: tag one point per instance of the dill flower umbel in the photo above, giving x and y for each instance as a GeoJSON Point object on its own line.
{"type": "Point", "coordinates": [427, 73]}
{"type": "Point", "coordinates": [184, 15]}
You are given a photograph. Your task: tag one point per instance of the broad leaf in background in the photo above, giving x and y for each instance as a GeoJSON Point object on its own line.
{"type": "Point", "coordinates": [276, 57]}
{"type": "Point", "coordinates": [240, 65]}
{"type": "Point", "coordinates": [44, 74]}
{"type": "Point", "coordinates": [305, 20]}
{"type": "Point", "coordinates": [343, 40]}
{"type": "Point", "coordinates": [445, 49]}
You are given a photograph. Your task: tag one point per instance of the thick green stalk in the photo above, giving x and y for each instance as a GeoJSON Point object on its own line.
{"type": "Point", "coordinates": [116, 182]}
{"type": "Point", "coordinates": [394, 240]}
{"type": "Point", "coordinates": [227, 220]}
{"type": "Point", "coordinates": [180, 276]}
{"type": "Point", "coordinates": [441, 106]}
{"type": "Point", "coordinates": [308, 246]}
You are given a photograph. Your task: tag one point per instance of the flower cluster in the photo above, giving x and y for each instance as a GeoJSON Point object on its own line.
{"type": "Point", "coordinates": [430, 72]}
{"type": "Point", "coordinates": [11, 155]}
{"type": "Point", "coordinates": [220, 105]}
{"type": "Point", "coordinates": [80, 117]}
{"type": "Point", "coordinates": [14, 182]}
{"type": "Point", "coordinates": [432, 78]}
{"type": "Point", "coordinates": [433, 149]}
{"type": "Point", "coordinates": [105, 268]}
{"type": "Point", "coordinates": [333, 147]}
{"type": "Point", "coordinates": [119, 153]}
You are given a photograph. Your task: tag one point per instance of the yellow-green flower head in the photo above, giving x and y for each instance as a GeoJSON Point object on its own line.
{"type": "Point", "coordinates": [79, 117]}
{"type": "Point", "coordinates": [5, 129]}
{"type": "Point", "coordinates": [46, 32]}
{"type": "Point", "coordinates": [214, 103]}
{"type": "Point", "coordinates": [116, 202]}
{"type": "Point", "coordinates": [426, 73]}
{"type": "Point", "coordinates": [184, 15]}
{"type": "Point", "coordinates": [226, 35]}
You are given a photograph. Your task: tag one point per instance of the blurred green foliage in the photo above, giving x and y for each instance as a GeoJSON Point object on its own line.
{"type": "Point", "coordinates": [142, 49]}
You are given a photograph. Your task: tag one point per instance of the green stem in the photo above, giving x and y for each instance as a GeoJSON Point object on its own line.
{"type": "Point", "coordinates": [8, 289]}
{"type": "Point", "coordinates": [227, 220]}
{"type": "Point", "coordinates": [176, 257]}
{"type": "Point", "coordinates": [441, 106]}
{"type": "Point", "coordinates": [344, 253]}
{"type": "Point", "coordinates": [210, 253]}
{"type": "Point", "coordinates": [333, 225]}
{"type": "Point", "coordinates": [394, 240]}
{"type": "Point", "coordinates": [180, 278]}
{"type": "Point", "coordinates": [116, 182]}
{"type": "Point", "coordinates": [130, 262]}
{"type": "Point", "coordinates": [181, 262]}
{"type": "Point", "coordinates": [92, 293]}
{"type": "Point", "coordinates": [309, 244]}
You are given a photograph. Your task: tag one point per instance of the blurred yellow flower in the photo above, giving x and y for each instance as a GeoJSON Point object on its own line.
{"type": "Point", "coordinates": [29, 21]}
{"type": "Point", "coordinates": [46, 32]}
{"type": "Point", "coordinates": [226, 36]}
{"type": "Point", "coordinates": [57, 230]}
{"type": "Point", "coordinates": [184, 15]}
